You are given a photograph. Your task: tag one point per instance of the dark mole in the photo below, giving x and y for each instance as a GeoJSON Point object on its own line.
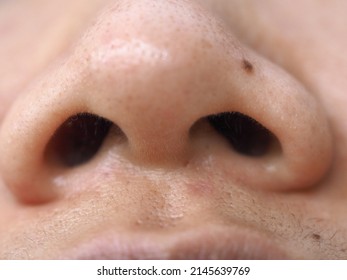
{"type": "Point", "coordinates": [247, 66]}
{"type": "Point", "coordinates": [316, 236]}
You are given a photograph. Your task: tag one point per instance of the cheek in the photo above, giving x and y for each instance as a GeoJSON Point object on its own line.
{"type": "Point", "coordinates": [32, 36]}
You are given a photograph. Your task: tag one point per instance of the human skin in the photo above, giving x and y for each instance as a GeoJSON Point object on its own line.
{"type": "Point", "coordinates": [165, 184]}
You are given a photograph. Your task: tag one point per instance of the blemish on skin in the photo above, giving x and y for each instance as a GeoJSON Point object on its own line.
{"type": "Point", "coordinates": [316, 236]}
{"type": "Point", "coordinates": [206, 44]}
{"type": "Point", "coordinates": [200, 188]}
{"type": "Point", "coordinates": [247, 66]}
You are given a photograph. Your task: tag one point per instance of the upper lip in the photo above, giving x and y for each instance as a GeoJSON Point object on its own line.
{"type": "Point", "coordinates": [202, 243]}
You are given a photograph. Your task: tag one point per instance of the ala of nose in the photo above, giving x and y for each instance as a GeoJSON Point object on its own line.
{"type": "Point", "coordinates": [154, 78]}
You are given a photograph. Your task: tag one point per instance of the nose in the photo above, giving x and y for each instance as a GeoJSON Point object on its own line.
{"type": "Point", "coordinates": [165, 83]}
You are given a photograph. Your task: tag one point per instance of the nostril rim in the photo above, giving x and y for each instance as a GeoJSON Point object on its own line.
{"type": "Point", "coordinates": [245, 134]}
{"type": "Point", "coordinates": [78, 139]}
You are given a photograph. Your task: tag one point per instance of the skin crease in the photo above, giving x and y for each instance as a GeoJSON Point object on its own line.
{"type": "Point", "coordinates": [163, 190]}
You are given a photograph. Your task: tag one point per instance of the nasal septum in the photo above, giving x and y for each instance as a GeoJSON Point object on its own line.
{"type": "Point", "coordinates": [147, 84]}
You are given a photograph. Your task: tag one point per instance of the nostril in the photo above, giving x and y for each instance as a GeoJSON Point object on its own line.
{"type": "Point", "coordinates": [78, 139]}
{"type": "Point", "coordinates": [245, 134]}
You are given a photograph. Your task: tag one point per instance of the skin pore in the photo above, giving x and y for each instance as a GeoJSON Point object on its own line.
{"type": "Point", "coordinates": [164, 182]}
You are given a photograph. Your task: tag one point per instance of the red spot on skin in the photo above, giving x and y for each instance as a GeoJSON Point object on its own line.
{"type": "Point", "coordinates": [200, 188]}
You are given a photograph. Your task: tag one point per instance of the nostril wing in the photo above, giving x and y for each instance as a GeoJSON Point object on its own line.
{"type": "Point", "coordinates": [246, 135]}
{"type": "Point", "coordinates": [78, 139]}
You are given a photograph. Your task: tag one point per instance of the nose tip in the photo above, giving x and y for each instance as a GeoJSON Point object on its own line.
{"type": "Point", "coordinates": [155, 70]}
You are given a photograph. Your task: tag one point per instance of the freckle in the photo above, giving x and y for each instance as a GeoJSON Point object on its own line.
{"type": "Point", "coordinates": [316, 236]}
{"type": "Point", "coordinates": [206, 44]}
{"type": "Point", "coordinates": [247, 66]}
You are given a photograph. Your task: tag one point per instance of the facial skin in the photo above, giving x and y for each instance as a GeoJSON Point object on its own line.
{"type": "Point", "coordinates": [165, 184]}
